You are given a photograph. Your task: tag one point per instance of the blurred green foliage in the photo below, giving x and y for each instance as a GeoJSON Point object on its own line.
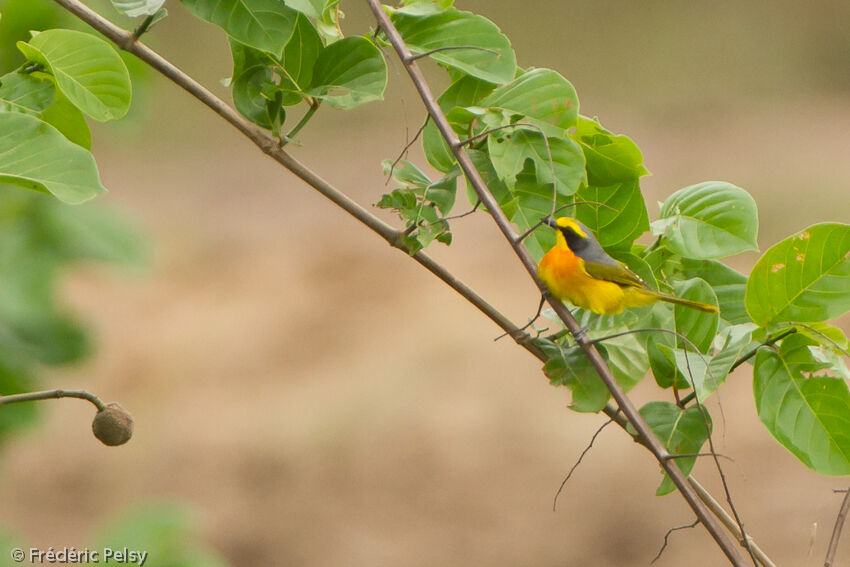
{"type": "Point", "coordinates": [165, 531]}
{"type": "Point", "coordinates": [40, 238]}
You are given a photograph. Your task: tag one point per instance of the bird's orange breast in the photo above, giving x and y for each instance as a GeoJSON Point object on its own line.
{"type": "Point", "coordinates": [567, 280]}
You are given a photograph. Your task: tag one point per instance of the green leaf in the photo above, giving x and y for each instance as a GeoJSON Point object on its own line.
{"type": "Point", "coordinates": [301, 52]}
{"type": "Point", "coordinates": [664, 362]}
{"type": "Point", "coordinates": [162, 530]}
{"type": "Point", "coordinates": [509, 149]}
{"type": "Point", "coordinates": [610, 158]}
{"type": "Point", "coordinates": [93, 232]}
{"type": "Point", "coordinates": [709, 220]}
{"type": "Point", "coordinates": [262, 24]}
{"type": "Point", "coordinates": [683, 432]}
{"type": "Point", "coordinates": [25, 92]}
{"type": "Point", "coordinates": [527, 202]}
{"type": "Point", "coordinates": [570, 367]}
{"type": "Point", "coordinates": [34, 155]}
{"type": "Point", "coordinates": [808, 414]}
{"type": "Point", "coordinates": [625, 355]}
{"type": "Point", "coordinates": [806, 277]}
{"type": "Point", "coordinates": [86, 69]}
{"type": "Point", "coordinates": [541, 94]}
{"type": "Point", "coordinates": [421, 203]}
{"type": "Point", "coordinates": [424, 7]}
{"type": "Point", "coordinates": [350, 72]}
{"type": "Point", "coordinates": [621, 221]}
{"type": "Point", "coordinates": [467, 91]}
{"type": "Point", "coordinates": [69, 120]}
{"type": "Point", "coordinates": [734, 341]}
{"type": "Point", "coordinates": [698, 326]}
{"type": "Point", "coordinates": [311, 8]}
{"type": "Point", "coordinates": [729, 285]}
{"type": "Point", "coordinates": [406, 173]}
{"type": "Point", "coordinates": [248, 94]}
{"type": "Point", "coordinates": [136, 8]}
{"type": "Point", "coordinates": [827, 335]}
{"type": "Point", "coordinates": [487, 55]}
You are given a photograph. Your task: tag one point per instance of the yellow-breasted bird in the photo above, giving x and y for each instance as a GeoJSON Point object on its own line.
{"type": "Point", "coordinates": [577, 269]}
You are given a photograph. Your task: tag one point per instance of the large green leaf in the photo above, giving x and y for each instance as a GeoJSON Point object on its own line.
{"type": "Point", "coordinates": [610, 158]}
{"type": "Point", "coordinates": [570, 367]}
{"type": "Point", "coordinates": [625, 355]}
{"type": "Point", "coordinates": [683, 432]}
{"type": "Point", "coordinates": [476, 46]}
{"type": "Point", "coordinates": [529, 201]}
{"type": "Point", "coordinates": [698, 326]}
{"type": "Point", "coordinates": [709, 220]}
{"type": "Point", "coordinates": [311, 8]}
{"type": "Point", "coordinates": [806, 277]}
{"type": "Point", "coordinates": [734, 340]}
{"type": "Point", "coordinates": [248, 95]}
{"type": "Point", "coordinates": [620, 219]}
{"type": "Point", "coordinates": [25, 92]}
{"type": "Point", "coordinates": [349, 72]}
{"type": "Point", "coordinates": [262, 24]}
{"type": "Point", "coordinates": [35, 155]}
{"type": "Point", "coordinates": [136, 8]}
{"type": "Point", "coordinates": [86, 68]}
{"type": "Point", "coordinates": [728, 284]}
{"type": "Point", "coordinates": [467, 91]}
{"type": "Point", "coordinates": [68, 119]}
{"type": "Point", "coordinates": [509, 149]}
{"type": "Point", "coordinates": [541, 94]}
{"type": "Point", "coordinates": [808, 414]}
{"type": "Point", "coordinates": [301, 52]}
{"type": "Point", "coordinates": [664, 360]}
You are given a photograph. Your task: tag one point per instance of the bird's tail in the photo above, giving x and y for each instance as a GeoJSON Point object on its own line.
{"type": "Point", "coordinates": [680, 301]}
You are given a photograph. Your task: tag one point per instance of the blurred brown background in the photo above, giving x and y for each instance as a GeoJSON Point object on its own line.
{"type": "Point", "coordinates": [318, 399]}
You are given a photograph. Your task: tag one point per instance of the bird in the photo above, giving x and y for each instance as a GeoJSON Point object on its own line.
{"type": "Point", "coordinates": [578, 270]}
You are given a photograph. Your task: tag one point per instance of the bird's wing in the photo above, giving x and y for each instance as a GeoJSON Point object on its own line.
{"type": "Point", "coordinates": [614, 271]}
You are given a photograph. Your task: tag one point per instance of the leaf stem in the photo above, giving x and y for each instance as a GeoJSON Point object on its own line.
{"type": "Point", "coordinates": [314, 106]}
{"type": "Point", "coordinates": [52, 395]}
{"type": "Point", "coordinates": [143, 27]}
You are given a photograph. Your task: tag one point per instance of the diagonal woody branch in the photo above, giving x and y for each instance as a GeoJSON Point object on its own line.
{"type": "Point", "coordinates": [625, 404]}
{"type": "Point", "coordinates": [129, 42]}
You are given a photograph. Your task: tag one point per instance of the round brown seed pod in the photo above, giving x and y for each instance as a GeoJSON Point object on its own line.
{"type": "Point", "coordinates": [113, 425]}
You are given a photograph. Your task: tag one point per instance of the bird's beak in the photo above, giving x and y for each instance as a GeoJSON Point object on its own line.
{"type": "Point", "coordinates": [551, 222]}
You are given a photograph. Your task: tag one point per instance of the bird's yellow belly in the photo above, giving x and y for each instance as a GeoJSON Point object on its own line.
{"type": "Point", "coordinates": [565, 277]}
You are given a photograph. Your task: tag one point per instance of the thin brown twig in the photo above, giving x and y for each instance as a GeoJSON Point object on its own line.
{"type": "Point", "coordinates": [578, 462]}
{"type": "Point", "coordinates": [52, 395]}
{"type": "Point", "coordinates": [693, 524]}
{"type": "Point", "coordinates": [624, 402]}
{"type": "Point", "coordinates": [405, 150]}
{"type": "Point", "coordinates": [832, 549]}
